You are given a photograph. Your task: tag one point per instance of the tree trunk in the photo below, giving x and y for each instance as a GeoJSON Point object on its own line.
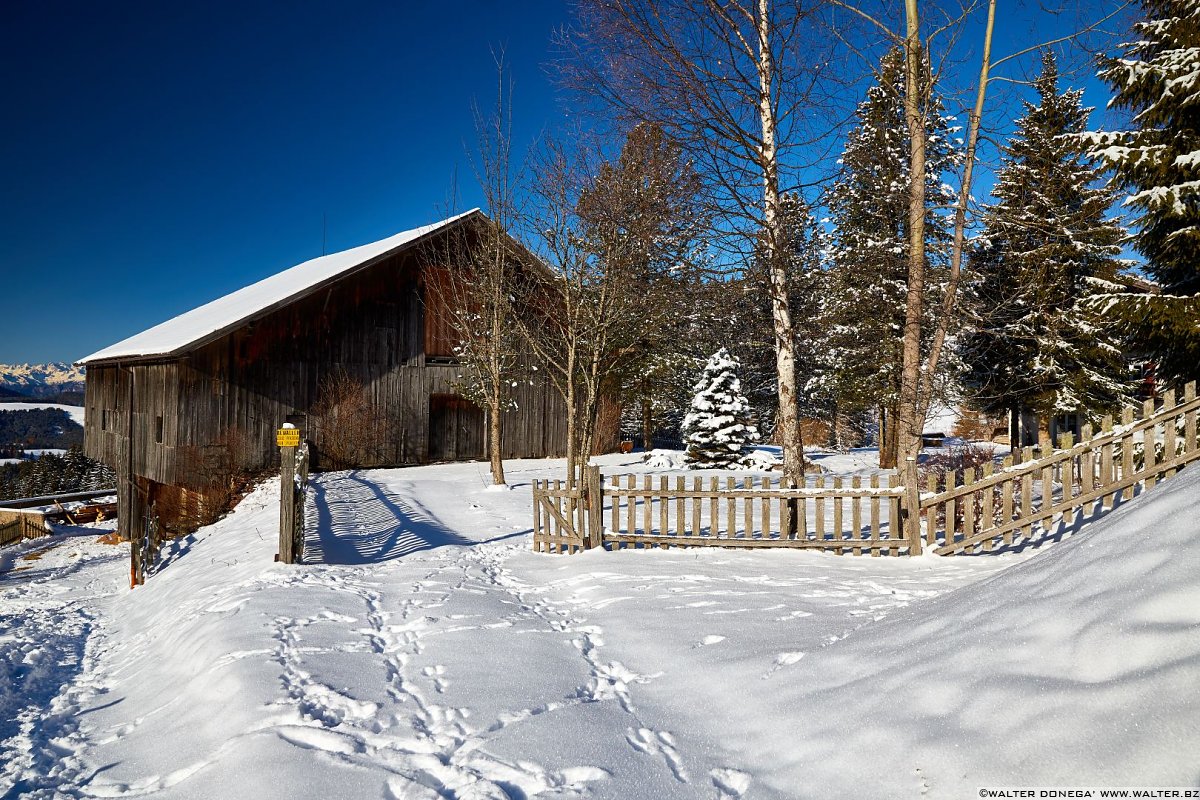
{"type": "Point", "coordinates": [785, 340]}
{"type": "Point", "coordinates": [494, 452]}
{"type": "Point", "coordinates": [910, 417]}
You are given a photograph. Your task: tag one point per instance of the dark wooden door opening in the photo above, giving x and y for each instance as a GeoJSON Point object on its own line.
{"type": "Point", "coordinates": [456, 429]}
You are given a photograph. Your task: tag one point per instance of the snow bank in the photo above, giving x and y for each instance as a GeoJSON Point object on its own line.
{"type": "Point", "coordinates": [435, 655]}
{"type": "Point", "coordinates": [1076, 668]}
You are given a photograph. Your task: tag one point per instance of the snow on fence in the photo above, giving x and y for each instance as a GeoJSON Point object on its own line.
{"type": "Point", "coordinates": [967, 511]}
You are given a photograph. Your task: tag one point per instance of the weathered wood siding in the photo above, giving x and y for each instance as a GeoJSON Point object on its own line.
{"type": "Point", "coordinates": [220, 405]}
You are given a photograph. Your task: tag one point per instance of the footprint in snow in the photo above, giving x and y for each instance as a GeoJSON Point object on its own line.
{"type": "Point", "coordinates": [710, 639]}
{"type": "Point", "coordinates": [783, 660]}
{"type": "Point", "coordinates": [731, 783]}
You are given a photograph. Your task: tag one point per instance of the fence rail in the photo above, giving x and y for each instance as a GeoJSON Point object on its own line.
{"type": "Point", "coordinates": [963, 511]}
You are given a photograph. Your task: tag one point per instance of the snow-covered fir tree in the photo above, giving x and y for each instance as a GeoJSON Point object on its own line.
{"type": "Point", "coordinates": [869, 255]}
{"type": "Point", "coordinates": [1048, 244]}
{"type": "Point", "coordinates": [718, 427]}
{"type": "Point", "coordinates": [1157, 78]}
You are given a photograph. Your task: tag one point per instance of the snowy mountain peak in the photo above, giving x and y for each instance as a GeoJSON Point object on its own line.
{"type": "Point", "coordinates": [40, 380]}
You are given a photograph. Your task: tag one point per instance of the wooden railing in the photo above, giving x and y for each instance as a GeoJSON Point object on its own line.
{"type": "Point", "coordinates": [970, 510]}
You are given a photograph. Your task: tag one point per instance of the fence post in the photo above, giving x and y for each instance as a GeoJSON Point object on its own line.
{"type": "Point", "coordinates": [595, 516]}
{"type": "Point", "coordinates": [287, 494]}
{"type": "Point", "coordinates": [912, 506]}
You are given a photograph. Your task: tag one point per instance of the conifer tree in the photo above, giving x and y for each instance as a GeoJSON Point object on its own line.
{"type": "Point", "coordinates": [1031, 344]}
{"type": "Point", "coordinates": [719, 426]}
{"type": "Point", "coordinates": [870, 249]}
{"type": "Point", "coordinates": [1157, 78]}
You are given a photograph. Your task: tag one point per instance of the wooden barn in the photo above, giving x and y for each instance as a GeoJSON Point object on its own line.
{"type": "Point", "coordinates": [209, 388]}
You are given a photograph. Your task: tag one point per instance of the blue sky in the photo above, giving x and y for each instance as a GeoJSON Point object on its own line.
{"type": "Point", "coordinates": [158, 155]}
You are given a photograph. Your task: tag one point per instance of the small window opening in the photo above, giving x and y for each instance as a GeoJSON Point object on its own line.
{"type": "Point", "coordinates": [158, 429]}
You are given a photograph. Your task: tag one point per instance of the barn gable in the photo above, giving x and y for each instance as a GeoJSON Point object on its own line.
{"type": "Point", "coordinates": [208, 389]}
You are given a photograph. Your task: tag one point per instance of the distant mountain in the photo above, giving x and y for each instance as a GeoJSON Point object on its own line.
{"type": "Point", "coordinates": [42, 381]}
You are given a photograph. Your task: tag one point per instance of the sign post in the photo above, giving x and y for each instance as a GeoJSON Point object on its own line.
{"type": "Point", "coordinates": [288, 439]}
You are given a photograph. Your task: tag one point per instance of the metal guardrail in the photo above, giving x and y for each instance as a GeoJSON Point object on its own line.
{"type": "Point", "coordinates": [51, 499]}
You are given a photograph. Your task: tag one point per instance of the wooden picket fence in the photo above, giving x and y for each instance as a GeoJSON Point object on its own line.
{"type": "Point", "coordinates": [22, 526]}
{"type": "Point", "coordinates": [1031, 495]}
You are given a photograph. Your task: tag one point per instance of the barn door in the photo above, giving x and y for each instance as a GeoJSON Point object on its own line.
{"type": "Point", "coordinates": [455, 429]}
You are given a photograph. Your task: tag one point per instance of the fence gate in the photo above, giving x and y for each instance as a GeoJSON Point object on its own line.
{"type": "Point", "coordinates": [568, 519]}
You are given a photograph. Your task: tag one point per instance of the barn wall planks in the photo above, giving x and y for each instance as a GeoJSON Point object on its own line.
{"type": "Point", "coordinates": [219, 405]}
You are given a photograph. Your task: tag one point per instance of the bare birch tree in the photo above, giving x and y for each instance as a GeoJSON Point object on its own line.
{"type": "Point", "coordinates": [618, 237]}
{"type": "Point", "coordinates": [476, 274]}
{"type": "Point", "coordinates": [733, 82]}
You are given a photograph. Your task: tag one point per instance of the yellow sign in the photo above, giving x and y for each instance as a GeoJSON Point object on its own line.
{"type": "Point", "coordinates": [287, 437]}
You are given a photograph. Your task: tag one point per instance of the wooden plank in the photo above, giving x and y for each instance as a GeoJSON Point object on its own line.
{"type": "Point", "coordinates": [969, 500]}
{"type": "Point", "coordinates": [647, 527]}
{"type": "Point", "coordinates": [697, 483]}
{"type": "Point", "coordinates": [631, 508]}
{"type": "Point", "coordinates": [873, 507]}
{"type": "Point", "coordinates": [1026, 501]}
{"type": "Point", "coordinates": [1127, 467]}
{"type": "Point", "coordinates": [930, 512]}
{"type": "Point", "coordinates": [1149, 445]}
{"type": "Point", "coordinates": [856, 509]}
{"type": "Point", "coordinates": [819, 512]}
{"type": "Point", "coordinates": [987, 513]}
{"type": "Point", "coordinates": [1047, 483]}
{"type": "Point", "coordinates": [748, 509]}
{"type": "Point", "coordinates": [681, 507]}
{"type": "Point", "coordinates": [730, 509]}
{"type": "Point", "coordinates": [664, 504]}
{"type": "Point", "coordinates": [838, 531]}
{"type": "Point", "coordinates": [766, 512]}
{"type": "Point", "coordinates": [713, 511]}
{"type": "Point", "coordinates": [1169, 431]}
{"type": "Point", "coordinates": [537, 517]}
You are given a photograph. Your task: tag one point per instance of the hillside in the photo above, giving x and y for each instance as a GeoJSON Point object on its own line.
{"type": "Point", "coordinates": [434, 655]}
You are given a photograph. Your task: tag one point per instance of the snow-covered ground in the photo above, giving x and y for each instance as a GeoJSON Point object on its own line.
{"type": "Point", "coordinates": [74, 412]}
{"type": "Point", "coordinates": [427, 652]}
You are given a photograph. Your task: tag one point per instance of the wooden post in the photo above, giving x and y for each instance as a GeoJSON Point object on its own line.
{"type": "Point", "coordinates": [287, 505]}
{"type": "Point", "coordinates": [595, 486]}
{"type": "Point", "coordinates": [912, 502]}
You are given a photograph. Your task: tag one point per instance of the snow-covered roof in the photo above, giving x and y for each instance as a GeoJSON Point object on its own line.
{"type": "Point", "coordinates": [207, 322]}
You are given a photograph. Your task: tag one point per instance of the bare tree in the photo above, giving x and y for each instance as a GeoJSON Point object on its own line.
{"type": "Point", "coordinates": [617, 238]}
{"type": "Point", "coordinates": [475, 275]}
{"type": "Point", "coordinates": [733, 81]}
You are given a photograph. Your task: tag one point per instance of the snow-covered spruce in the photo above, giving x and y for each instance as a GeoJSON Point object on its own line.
{"type": "Point", "coordinates": [718, 427]}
